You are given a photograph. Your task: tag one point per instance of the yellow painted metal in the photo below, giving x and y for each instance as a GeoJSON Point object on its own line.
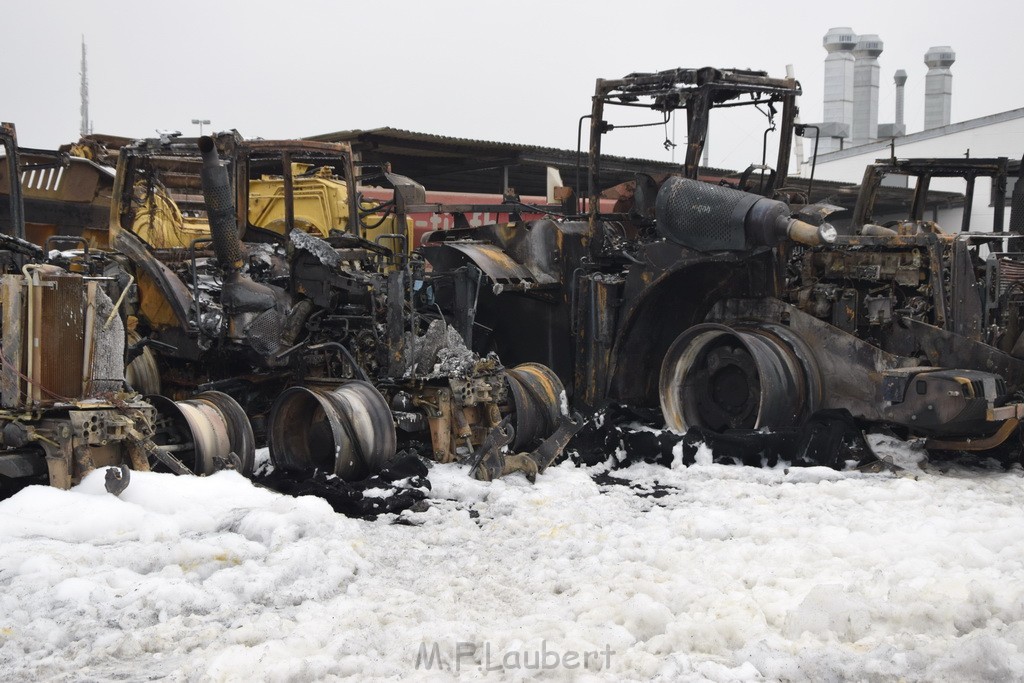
{"type": "Point", "coordinates": [980, 444]}
{"type": "Point", "coordinates": [154, 307]}
{"type": "Point", "coordinates": [159, 221]}
{"type": "Point", "coordinates": [320, 206]}
{"type": "Point", "coordinates": [320, 201]}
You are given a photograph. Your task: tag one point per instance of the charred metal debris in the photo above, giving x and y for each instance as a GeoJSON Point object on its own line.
{"type": "Point", "coordinates": [326, 345]}
{"type": "Point", "coordinates": [249, 294]}
{"type": "Point", "coordinates": [741, 308]}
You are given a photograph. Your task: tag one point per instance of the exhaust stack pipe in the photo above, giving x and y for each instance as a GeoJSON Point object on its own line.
{"type": "Point", "coordinates": [256, 312]}
{"type": "Point", "coordinates": [220, 207]}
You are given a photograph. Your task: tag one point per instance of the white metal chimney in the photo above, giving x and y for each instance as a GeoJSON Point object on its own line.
{"type": "Point", "coordinates": [900, 77]}
{"type": "Point", "coordinates": [838, 104]}
{"type": "Point", "coordinates": [865, 89]}
{"type": "Point", "coordinates": [897, 129]}
{"type": "Point", "coordinates": [938, 87]}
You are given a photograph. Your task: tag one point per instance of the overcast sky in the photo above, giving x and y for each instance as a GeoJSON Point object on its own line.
{"type": "Point", "coordinates": [515, 71]}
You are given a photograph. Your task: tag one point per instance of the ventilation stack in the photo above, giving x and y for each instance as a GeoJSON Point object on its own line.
{"type": "Point", "coordinates": [838, 104]}
{"type": "Point", "coordinates": [901, 81]}
{"type": "Point", "coordinates": [898, 129]}
{"type": "Point", "coordinates": [938, 87]}
{"type": "Point", "coordinates": [865, 89]}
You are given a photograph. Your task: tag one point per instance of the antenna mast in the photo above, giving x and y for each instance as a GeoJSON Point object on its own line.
{"type": "Point", "coordinates": [86, 128]}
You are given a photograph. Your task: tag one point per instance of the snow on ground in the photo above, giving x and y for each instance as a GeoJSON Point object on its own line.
{"type": "Point", "coordinates": [703, 573]}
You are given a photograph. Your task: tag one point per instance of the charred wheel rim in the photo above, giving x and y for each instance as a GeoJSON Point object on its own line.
{"type": "Point", "coordinates": [347, 431]}
{"type": "Point", "coordinates": [538, 396]}
{"type": "Point", "coordinates": [204, 430]}
{"type": "Point", "coordinates": [745, 377]}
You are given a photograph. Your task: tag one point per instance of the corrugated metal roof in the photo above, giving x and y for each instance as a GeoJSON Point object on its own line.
{"type": "Point", "coordinates": [441, 142]}
{"type": "Point", "coordinates": [401, 134]}
{"type": "Point", "coordinates": [448, 163]}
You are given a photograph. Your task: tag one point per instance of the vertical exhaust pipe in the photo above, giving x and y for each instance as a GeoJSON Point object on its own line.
{"type": "Point", "coordinates": [220, 207]}
{"type": "Point", "coordinates": [255, 311]}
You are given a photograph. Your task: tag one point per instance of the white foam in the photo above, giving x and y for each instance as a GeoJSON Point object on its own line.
{"type": "Point", "coordinates": [709, 572]}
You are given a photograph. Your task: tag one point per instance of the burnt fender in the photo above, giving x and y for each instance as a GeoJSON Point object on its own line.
{"type": "Point", "coordinates": [170, 285]}
{"type": "Point", "coordinates": [497, 265]}
{"type": "Point", "coordinates": [658, 303]}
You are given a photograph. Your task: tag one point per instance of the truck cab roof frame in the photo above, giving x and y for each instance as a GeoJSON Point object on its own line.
{"type": "Point", "coordinates": [698, 91]}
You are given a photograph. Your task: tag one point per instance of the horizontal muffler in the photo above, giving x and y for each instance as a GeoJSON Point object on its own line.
{"type": "Point", "coordinates": [709, 217]}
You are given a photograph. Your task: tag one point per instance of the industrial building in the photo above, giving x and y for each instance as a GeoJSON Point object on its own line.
{"type": "Point", "coordinates": [851, 137]}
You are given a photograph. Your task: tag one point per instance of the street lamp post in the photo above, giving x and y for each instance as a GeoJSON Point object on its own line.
{"type": "Point", "coordinates": [201, 123]}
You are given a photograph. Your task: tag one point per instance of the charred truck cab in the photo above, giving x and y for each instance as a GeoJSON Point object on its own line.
{"type": "Point", "coordinates": [738, 306]}
{"type": "Point", "coordinates": [324, 334]}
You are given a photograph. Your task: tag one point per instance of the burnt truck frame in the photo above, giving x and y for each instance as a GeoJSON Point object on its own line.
{"type": "Point", "coordinates": [724, 308]}
{"type": "Point", "coordinates": [331, 345]}
{"type": "Point", "coordinates": [66, 408]}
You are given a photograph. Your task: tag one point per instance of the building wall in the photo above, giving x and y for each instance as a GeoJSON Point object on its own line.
{"type": "Point", "coordinates": [999, 135]}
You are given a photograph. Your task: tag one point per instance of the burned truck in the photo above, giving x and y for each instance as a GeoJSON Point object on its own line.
{"type": "Point", "coordinates": [65, 405]}
{"type": "Point", "coordinates": [331, 343]}
{"type": "Point", "coordinates": [738, 306]}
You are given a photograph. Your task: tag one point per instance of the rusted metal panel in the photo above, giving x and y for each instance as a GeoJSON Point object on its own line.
{"type": "Point", "coordinates": [60, 339]}
{"type": "Point", "coordinates": [162, 293]}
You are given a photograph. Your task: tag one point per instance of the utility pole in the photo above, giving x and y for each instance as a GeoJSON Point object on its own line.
{"type": "Point", "coordinates": [201, 123]}
{"type": "Point", "coordinates": [86, 127]}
